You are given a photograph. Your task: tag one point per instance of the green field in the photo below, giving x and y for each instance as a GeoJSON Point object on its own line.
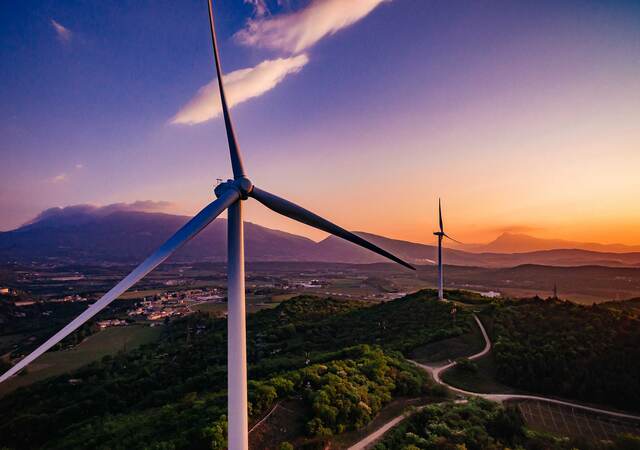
{"type": "Point", "coordinates": [141, 294]}
{"type": "Point", "coordinates": [283, 297]}
{"type": "Point", "coordinates": [106, 342]}
{"type": "Point", "coordinates": [481, 381]}
{"type": "Point", "coordinates": [452, 348]}
{"type": "Point", "coordinates": [484, 379]}
{"type": "Point", "coordinates": [254, 304]}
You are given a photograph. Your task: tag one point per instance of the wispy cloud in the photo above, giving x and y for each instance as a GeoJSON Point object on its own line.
{"type": "Point", "coordinates": [288, 32]}
{"type": "Point", "coordinates": [299, 30]}
{"type": "Point", "coordinates": [63, 33]}
{"type": "Point", "coordinates": [138, 205]}
{"type": "Point", "coordinates": [60, 178]}
{"type": "Point", "coordinates": [260, 8]}
{"type": "Point", "coordinates": [93, 210]}
{"type": "Point", "coordinates": [64, 177]}
{"type": "Point", "coordinates": [240, 85]}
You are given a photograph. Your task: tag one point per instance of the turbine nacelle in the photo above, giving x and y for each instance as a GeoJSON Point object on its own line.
{"type": "Point", "coordinates": [242, 185]}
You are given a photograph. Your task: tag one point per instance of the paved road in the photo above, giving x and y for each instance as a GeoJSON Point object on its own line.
{"type": "Point", "coordinates": [436, 371]}
{"type": "Point", "coordinates": [373, 437]}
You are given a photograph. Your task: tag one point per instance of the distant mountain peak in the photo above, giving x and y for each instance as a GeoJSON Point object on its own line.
{"type": "Point", "coordinates": [117, 233]}
{"type": "Point", "coordinates": [510, 242]}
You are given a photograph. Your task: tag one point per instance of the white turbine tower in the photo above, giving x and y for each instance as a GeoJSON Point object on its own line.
{"type": "Point", "coordinates": [441, 235]}
{"type": "Point", "coordinates": [230, 195]}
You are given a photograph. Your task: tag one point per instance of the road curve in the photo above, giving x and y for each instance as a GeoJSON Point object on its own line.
{"type": "Point", "coordinates": [436, 371]}
{"type": "Point", "coordinates": [373, 437]}
{"type": "Point", "coordinates": [377, 434]}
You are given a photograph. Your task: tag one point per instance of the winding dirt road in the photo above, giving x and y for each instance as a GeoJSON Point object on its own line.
{"type": "Point", "coordinates": [436, 371]}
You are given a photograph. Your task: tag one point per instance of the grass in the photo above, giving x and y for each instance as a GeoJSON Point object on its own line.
{"type": "Point", "coordinates": [141, 294]}
{"type": "Point", "coordinates": [283, 297]}
{"type": "Point", "coordinates": [8, 342]}
{"type": "Point", "coordinates": [482, 381]}
{"type": "Point", "coordinates": [213, 308]}
{"type": "Point", "coordinates": [254, 304]}
{"type": "Point", "coordinates": [452, 348]}
{"type": "Point", "coordinates": [286, 424]}
{"type": "Point", "coordinates": [106, 342]}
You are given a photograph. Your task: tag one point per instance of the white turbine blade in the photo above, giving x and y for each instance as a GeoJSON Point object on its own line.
{"type": "Point", "coordinates": [181, 237]}
{"type": "Point", "coordinates": [440, 216]}
{"type": "Point", "coordinates": [454, 240]}
{"type": "Point", "coordinates": [295, 212]}
{"type": "Point", "coordinates": [234, 148]}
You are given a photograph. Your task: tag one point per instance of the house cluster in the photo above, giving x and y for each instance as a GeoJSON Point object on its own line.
{"type": "Point", "coordinates": [310, 283]}
{"type": "Point", "coordinates": [69, 298]}
{"type": "Point", "coordinates": [173, 304]}
{"type": "Point", "coordinates": [111, 323]}
{"type": "Point", "coordinates": [158, 309]}
{"type": "Point", "coordinates": [491, 294]}
{"type": "Point", "coordinates": [24, 303]}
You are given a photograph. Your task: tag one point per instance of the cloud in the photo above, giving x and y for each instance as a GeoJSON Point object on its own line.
{"type": "Point", "coordinates": [240, 85]}
{"type": "Point", "coordinates": [260, 8]}
{"type": "Point", "coordinates": [64, 34]}
{"type": "Point", "coordinates": [290, 32]}
{"type": "Point", "coordinates": [59, 178]}
{"type": "Point", "coordinates": [139, 205]}
{"type": "Point", "coordinates": [297, 31]}
{"type": "Point", "coordinates": [79, 166]}
{"type": "Point", "coordinates": [85, 210]}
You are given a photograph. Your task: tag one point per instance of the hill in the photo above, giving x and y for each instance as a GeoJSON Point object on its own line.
{"type": "Point", "coordinates": [422, 254]}
{"type": "Point", "coordinates": [523, 243]}
{"type": "Point", "coordinates": [338, 360]}
{"type": "Point", "coordinates": [479, 424]}
{"type": "Point", "coordinates": [587, 353]}
{"type": "Point", "coordinates": [333, 365]}
{"type": "Point", "coordinates": [82, 234]}
{"type": "Point", "coordinates": [90, 234]}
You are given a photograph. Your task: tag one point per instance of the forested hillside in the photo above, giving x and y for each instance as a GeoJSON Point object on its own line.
{"type": "Point", "coordinates": [587, 353]}
{"type": "Point", "coordinates": [480, 425]}
{"type": "Point", "coordinates": [338, 358]}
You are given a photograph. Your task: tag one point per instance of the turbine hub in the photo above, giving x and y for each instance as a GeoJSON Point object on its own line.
{"type": "Point", "coordinates": [243, 185]}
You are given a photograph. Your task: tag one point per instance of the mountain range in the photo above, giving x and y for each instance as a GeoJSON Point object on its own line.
{"type": "Point", "coordinates": [89, 234]}
{"type": "Point", "coordinates": [521, 243]}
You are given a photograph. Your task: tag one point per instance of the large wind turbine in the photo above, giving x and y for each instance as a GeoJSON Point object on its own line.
{"type": "Point", "coordinates": [441, 235]}
{"type": "Point", "coordinates": [230, 195]}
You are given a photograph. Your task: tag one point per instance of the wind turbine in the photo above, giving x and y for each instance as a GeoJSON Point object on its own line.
{"type": "Point", "coordinates": [441, 235]}
{"type": "Point", "coordinates": [230, 196]}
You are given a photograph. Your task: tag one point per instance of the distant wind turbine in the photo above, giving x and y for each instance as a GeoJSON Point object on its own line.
{"type": "Point", "coordinates": [441, 235]}
{"type": "Point", "coordinates": [230, 196]}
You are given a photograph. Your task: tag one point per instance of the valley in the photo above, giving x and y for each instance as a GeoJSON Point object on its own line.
{"type": "Point", "coordinates": [310, 357]}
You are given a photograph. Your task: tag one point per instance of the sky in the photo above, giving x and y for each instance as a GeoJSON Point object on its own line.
{"type": "Point", "coordinates": [521, 115]}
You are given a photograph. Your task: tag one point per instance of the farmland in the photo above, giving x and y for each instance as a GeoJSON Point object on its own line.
{"type": "Point", "coordinates": [574, 423]}
{"type": "Point", "coordinates": [93, 348]}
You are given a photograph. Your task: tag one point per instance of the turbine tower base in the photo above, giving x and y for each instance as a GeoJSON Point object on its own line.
{"type": "Point", "coordinates": [238, 428]}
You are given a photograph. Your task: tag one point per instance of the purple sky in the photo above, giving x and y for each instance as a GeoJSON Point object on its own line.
{"type": "Point", "coordinates": [521, 115]}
